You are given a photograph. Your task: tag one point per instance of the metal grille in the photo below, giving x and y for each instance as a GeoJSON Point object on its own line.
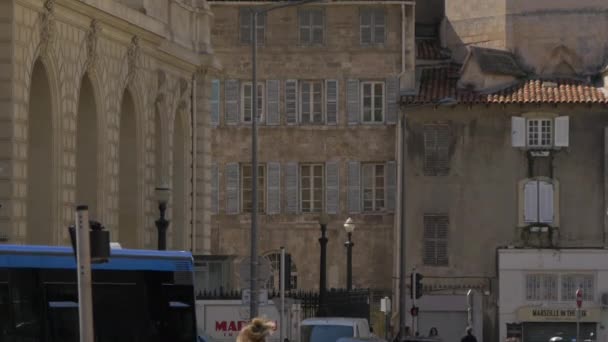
{"type": "Point", "coordinates": [436, 150]}
{"type": "Point", "coordinates": [436, 239]}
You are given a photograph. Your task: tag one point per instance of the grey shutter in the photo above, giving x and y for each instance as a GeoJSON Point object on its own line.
{"type": "Point", "coordinates": [518, 131]}
{"type": "Point", "coordinates": [214, 189]}
{"type": "Point", "coordinates": [561, 131]}
{"type": "Point", "coordinates": [545, 202]}
{"type": "Point", "coordinates": [231, 107]}
{"type": "Point", "coordinates": [291, 188]}
{"type": "Point", "coordinates": [291, 102]}
{"type": "Point", "coordinates": [354, 187]}
{"type": "Point", "coordinates": [332, 187]}
{"type": "Point", "coordinates": [273, 192]}
{"type": "Point", "coordinates": [379, 26]}
{"type": "Point", "coordinates": [391, 184]}
{"type": "Point", "coordinates": [392, 99]}
{"type": "Point", "coordinates": [272, 102]}
{"type": "Point", "coordinates": [365, 26]}
{"type": "Point", "coordinates": [232, 188]}
{"type": "Point", "coordinates": [331, 101]}
{"type": "Point", "coordinates": [352, 101]}
{"type": "Point", "coordinates": [215, 102]}
{"type": "Point", "coordinates": [531, 201]}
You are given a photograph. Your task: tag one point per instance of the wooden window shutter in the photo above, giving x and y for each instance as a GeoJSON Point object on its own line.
{"type": "Point", "coordinates": [215, 103]}
{"type": "Point", "coordinates": [273, 191]}
{"type": "Point", "coordinates": [232, 188]}
{"type": "Point", "coordinates": [353, 106]}
{"type": "Point", "coordinates": [231, 106]}
{"type": "Point", "coordinates": [379, 26]}
{"type": "Point", "coordinates": [272, 103]}
{"type": "Point", "coordinates": [562, 131]}
{"type": "Point", "coordinates": [354, 187]}
{"type": "Point", "coordinates": [291, 188]}
{"type": "Point", "coordinates": [531, 201]}
{"type": "Point", "coordinates": [331, 101]}
{"type": "Point", "coordinates": [332, 187]}
{"type": "Point", "coordinates": [291, 102]}
{"type": "Point", "coordinates": [392, 99]}
{"type": "Point", "coordinates": [214, 189]}
{"type": "Point", "coordinates": [365, 26]}
{"type": "Point", "coordinates": [390, 182]}
{"type": "Point", "coordinates": [545, 202]}
{"type": "Point", "coordinates": [518, 131]}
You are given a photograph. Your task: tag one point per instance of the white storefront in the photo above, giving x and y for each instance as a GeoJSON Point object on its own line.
{"type": "Point", "coordinates": [537, 293]}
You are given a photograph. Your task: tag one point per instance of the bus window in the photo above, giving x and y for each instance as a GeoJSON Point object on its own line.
{"type": "Point", "coordinates": [26, 308]}
{"type": "Point", "coordinates": [62, 312]}
{"type": "Point", "coordinates": [4, 309]}
{"type": "Point", "coordinates": [179, 317]}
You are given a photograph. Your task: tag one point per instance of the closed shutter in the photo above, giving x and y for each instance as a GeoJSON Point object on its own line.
{"type": "Point", "coordinates": [291, 102]}
{"type": "Point", "coordinates": [391, 185]}
{"type": "Point", "coordinates": [561, 132]}
{"type": "Point", "coordinates": [365, 26]}
{"type": "Point", "coordinates": [331, 101]}
{"type": "Point", "coordinates": [273, 192]}
{"type": "Point", "coordinates": [291, 188]}
{"type": "Point", "coordinates": [392, 99]}
{"type": "Point", "coordinates": [531, 202]}
{"type": "Point", "coordinates": [231, 106]}
{"type": "Point", "coordinates": [442, 240]}
{"type": "Point", "coordinates": [332, 187]}
{"type": "Point", "coordinates": [518, 131]}
{"type": "Point", "coordinates": [379, 25]}
{"type": "Point", "coordinates": [215, 102]}
{"type": "Point", "coordinates": [232, 188]}
{"type": "Point", "coordinates": [545, 201]}
{"type": "Point", "coordinates": [272, 104]}
{"type": "Point", "coordinates": [214, 189]}
{"type": "Point", "coordinates": [352, 101]}
{"type": "Point", "coordinates": [354, 187]}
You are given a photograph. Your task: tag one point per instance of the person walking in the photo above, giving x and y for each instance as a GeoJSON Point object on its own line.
{"type": "Point", "coordinates": [256, 331]}
{"type": "Point", "coordinates": [469, 337]}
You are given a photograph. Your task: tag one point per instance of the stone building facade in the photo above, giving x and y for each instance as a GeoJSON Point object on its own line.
{"type": "Point", "coordinates": [99, 102]}
{"type": "Point", "coordinates": [329, 78]}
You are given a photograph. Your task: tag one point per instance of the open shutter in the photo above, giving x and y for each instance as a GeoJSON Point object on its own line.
{"type": "Point", "coordinates": [392, 99]}
{"type": "Point", "coordinates": [531, 202]}
{"type": "Point", "coordinates": [545, 202]}
{"type": "Point", "coordinates": [332, 187]}
{"type": "Point", "coordinates": [273, 191]}
{"type": "Point", "coordinates": [354, 187]}
{"type": "Point", "coordinates": [231, 107]}
{"type": "Point", "coordinates": [291, 102]}
{"type": "Point", "coordinates": [331, 101]}
{"type": "Point", "coordinates": [391, 185]}
{"type": "Point", "coordinates": [232, 188]}
{"type": "Point", "coordinates": [562, 131]}
{"type": "Point", "coordinates": [352, 101]}
{"type": "Point", "coordinates": [272, 104]}
{"type": "Point", "coordinates": [518, 131]}
{"type": "Point", "coordinates": [215, 103]}
{"type": "Point", "coordinates": [214, 189]}
{"type": "Point", "coordinates": [291, 188]}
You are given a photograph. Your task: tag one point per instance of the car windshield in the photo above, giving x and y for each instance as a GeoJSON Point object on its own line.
{"type": "Point", "coordinates": [325, 333]}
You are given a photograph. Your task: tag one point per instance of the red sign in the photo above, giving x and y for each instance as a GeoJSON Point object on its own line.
{"type": "Point", "coordinates": [579, 297]}
{"type": "Point", "coordinates": [414, 311]}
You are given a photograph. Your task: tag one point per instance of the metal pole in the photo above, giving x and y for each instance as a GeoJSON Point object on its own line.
{"type": "Point", "coordinates": [414, 294]}
{"type": "Point", "coordinates": [161, 225]}
{"type": "Point", "coordinates": [323, 272]}
{"type": "Point", "coordinates": [283, 277]}
{"type": "Point", "coordinates": [402, 231]}
{"type": "Point", "coordinates": [578, 324]}
{"type": "Point", "coordinates": [83, 259]}
{"type": "Point", "coordinates": [253, 305]}
{"type": "Point", "coordinates": [349, 262]}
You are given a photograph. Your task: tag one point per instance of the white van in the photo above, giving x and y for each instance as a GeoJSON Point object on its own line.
{"type": "Point", "coordinates": [331, 329]}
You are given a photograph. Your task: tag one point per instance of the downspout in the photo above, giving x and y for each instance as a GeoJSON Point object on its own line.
{"type": "Point", "coordinates": [193, 165]}
{"type": "Point", "coordinates": [402, 40]}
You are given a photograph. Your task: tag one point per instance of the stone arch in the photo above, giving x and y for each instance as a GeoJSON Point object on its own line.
{"type": "Point", "coordinates": [562, 61]}
{"type": "Point", "coordinates": [128, 199]}
{"type": "Point", "coordinates": [41, 203]}
{"type": "Point", "coordinates": [179, 182]}
{"type": "Point", "coordinates": [88, 171]}
{"type": "Point", "coordinates": [274, 257]}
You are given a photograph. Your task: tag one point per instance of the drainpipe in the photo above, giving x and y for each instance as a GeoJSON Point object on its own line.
{"type": "Point", "coordinates": [193, 165]}
{"type": "Point", "coordinates": [402, 40]}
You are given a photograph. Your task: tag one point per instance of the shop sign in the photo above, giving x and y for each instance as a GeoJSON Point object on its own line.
{"type": "Point", "coordinates": [549, 314]}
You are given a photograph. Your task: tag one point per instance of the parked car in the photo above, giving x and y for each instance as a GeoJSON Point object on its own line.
{"type": "Point", "coordinates": [332, 329]}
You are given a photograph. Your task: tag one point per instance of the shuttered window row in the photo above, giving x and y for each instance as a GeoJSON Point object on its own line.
{"type": "Point", "coordinates": [306, 187]}
{"type": "Point", "coordinates": [293, 102]}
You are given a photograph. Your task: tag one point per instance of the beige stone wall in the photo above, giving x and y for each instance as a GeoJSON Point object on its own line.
{"type": "Point", "coordinates": [281, 58]}
{"type": "Point", "coordinates": [117, 59]}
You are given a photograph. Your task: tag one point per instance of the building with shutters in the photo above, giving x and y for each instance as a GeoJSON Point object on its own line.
{"type": "Point", "coordinates": [99, 100]}
{"type": "Point", "coordinates": [329, 80]}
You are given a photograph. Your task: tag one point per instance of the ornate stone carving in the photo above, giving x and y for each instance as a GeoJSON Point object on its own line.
{"type": "Point", "coordinates": [91, 41]}
{"type": "Point", "coordinates": [132, 56]}
{"type": "Point", "coordinates": [47, 26]}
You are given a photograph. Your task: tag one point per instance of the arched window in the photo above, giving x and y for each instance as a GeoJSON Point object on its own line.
{"type": "Point", "coordinates": [275, 270]}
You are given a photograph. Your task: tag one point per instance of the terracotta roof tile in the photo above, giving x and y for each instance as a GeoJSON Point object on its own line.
{"type": "Point", "coordinates": [429, 49]}
{"type": "Point", "coordinates": [438, 83]}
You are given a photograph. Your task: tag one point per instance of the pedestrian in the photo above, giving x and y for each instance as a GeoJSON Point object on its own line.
{"type": "Point", "coordinates": [469, 337]}
{"type": "Point", "coordinates": [256, 331]}
{"type": "Point", "coordinates": [433, 333]}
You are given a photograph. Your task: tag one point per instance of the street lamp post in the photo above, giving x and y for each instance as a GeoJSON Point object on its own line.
{"type": "Point", "coordinates": [323, 220]}
{"type": "Point", "coordinates": [162, 195]}
{"type": "Point", "coordinates": [445, 102]}
{"type": "Point", "coordinates": [253, 305]}
{"type": "Point", "coordinates": [349, 226]}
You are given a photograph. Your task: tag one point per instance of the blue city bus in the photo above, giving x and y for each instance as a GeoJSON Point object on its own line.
{"type": "Point", "coordinates": [139, 295]}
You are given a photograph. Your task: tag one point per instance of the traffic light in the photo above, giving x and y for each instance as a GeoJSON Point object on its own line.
{"type": "Point", "coordinates": [417, 285]}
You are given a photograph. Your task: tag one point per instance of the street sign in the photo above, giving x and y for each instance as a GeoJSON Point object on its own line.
{"type": "Point", "coordinates": [385, 305]}
{"type": "Point", "coordinates": [262, 297]}
{"type": "Point", "coordinates": [579, 298]}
